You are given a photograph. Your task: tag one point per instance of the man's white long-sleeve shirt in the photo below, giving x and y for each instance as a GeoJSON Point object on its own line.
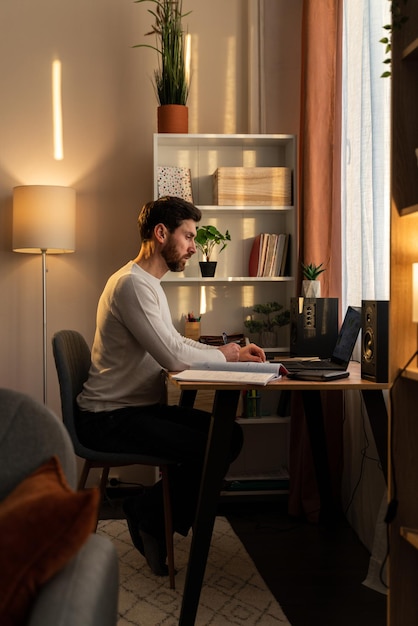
{"type": "Point", "coordinates": [134, 340]}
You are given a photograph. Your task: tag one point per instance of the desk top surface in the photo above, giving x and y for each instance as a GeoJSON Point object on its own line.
{"type": "Point", "coordinates": [354, 381]}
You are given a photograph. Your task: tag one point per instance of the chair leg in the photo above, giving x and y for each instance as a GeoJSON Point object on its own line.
{"type": "Point", "coordinates": [103, 483]}
{"type": "Point", "coordinates": [103, 480]}
{"type": "Point", "coordinates": [83, 476]}
{"type": "Point", "coordinates": [168, 520]}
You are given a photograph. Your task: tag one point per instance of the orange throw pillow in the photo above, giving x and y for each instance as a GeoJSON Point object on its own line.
{"type": "Point", "coordinates": [43, 524]}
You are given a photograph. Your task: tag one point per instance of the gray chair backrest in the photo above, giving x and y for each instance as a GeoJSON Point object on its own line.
{"type": "Point", "coordinates": [30, 434]}
{"type": "Point", "coordinates": [72, 360]}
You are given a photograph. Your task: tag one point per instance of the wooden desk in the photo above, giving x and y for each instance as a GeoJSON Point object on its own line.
{"type": "Point", "coordinates": [223, 416]}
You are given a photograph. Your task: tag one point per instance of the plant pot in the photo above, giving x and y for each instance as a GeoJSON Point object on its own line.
{"type": "Point", "coordinates": [267, 339]}
{"type": "Point", "coordinates": [173, 118]}
{"type": "Point", "coordinates": [254, 338]}
{"type": "Point", "coordinates": [208, 268]}
{"type": "Point", "coordinates": [311, 288]}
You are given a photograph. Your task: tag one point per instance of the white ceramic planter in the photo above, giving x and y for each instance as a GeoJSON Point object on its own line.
{"type": "Point", "coordinates": [311, 288]}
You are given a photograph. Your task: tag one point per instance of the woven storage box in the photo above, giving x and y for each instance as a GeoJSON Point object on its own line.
{"type": "Point", "coordinates": [252, 185]}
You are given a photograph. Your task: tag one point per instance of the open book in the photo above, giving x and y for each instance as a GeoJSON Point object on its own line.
{"type": "Point", "coordinates": [248, 372]}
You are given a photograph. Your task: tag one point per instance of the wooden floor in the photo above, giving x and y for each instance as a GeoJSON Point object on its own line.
{"type": "Point", "coordinates": [315, 574]}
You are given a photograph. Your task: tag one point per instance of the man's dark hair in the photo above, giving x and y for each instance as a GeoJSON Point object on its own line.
{"type": "Point", "coordinates": [168, 210]}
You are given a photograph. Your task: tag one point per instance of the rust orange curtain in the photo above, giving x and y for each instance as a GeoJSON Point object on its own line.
{"type": "Point", "coordinates": [319, 222]}
{"type": "Point", "coordinates": [320, 131]}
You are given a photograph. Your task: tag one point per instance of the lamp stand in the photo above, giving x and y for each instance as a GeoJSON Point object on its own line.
{"type": "Point", "coordinates": [44, 338]}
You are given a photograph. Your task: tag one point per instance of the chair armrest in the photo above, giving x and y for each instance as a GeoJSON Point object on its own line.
{"type": "Point", "coordinates": [85, 592]}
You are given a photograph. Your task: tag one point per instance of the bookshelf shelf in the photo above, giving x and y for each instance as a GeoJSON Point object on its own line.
{"type": "Point", "coordinates": [173, 278]}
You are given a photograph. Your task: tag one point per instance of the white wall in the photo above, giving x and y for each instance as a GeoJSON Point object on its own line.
{"type": "Point", "coordinates": [109, 112]}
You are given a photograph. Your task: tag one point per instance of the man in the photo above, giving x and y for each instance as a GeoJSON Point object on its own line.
{"type": "Point", "coordinates": [123, 402]}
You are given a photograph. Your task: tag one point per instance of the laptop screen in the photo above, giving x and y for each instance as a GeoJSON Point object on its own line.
{"type": "Point", "coordinates": [347, 336]}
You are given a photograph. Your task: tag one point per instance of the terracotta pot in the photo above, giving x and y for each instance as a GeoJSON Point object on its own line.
{"type": "Point", "coordinates": [173, 118]}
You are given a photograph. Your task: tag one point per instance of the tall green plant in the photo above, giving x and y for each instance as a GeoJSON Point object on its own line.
{"type": "Point", "coordinates": [171, 81]}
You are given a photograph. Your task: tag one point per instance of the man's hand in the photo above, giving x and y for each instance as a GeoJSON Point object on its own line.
{"type": "Point", "coordinates": [252, 352]}
{"type": "Point", "coordinates": [231, 351]}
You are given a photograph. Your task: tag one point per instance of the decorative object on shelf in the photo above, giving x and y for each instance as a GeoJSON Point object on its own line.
{"type": "Point", "coordinates": [207, 237]}
{"type": "Point", "coordinates": [175, 181]}
{"type": "Point", "coordinates": [267, 324]}
{"type": "Point", "coordinates": [172, 76]}
{"type": "Point", "coordinates": [252, 186]}
{"type": "Point", "coordinates": [311, 287]}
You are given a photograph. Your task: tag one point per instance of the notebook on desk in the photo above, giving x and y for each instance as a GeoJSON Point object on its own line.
{"type": "Point", "coordinates": [341, 354]}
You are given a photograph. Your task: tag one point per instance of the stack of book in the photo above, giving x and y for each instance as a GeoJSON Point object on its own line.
{"type": "Point", "coordinates": [269, 255]}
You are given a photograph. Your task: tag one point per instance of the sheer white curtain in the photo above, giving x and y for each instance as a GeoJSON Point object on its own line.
{"type": "Point", "coordinates": [365, 153]}
{"type": "Point", "coordinates": [365, 242]}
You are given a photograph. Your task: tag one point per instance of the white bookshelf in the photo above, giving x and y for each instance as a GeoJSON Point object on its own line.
{"type": "Point", "coordinates": [226, 300]}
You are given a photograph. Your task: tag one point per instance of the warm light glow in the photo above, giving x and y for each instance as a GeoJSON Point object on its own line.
{"type": "Point", "coordinates": [415, 292]}
{"type": "Point", "coordinates": [230, 98]}
{"type": "Point", "coordinates": [187, 56]}
{"type": "Point", "coordinates": [43, 219]}
{"type": "Point", "coordinates": [57, 111]}
{"type": "Point", "coordinates": [203, 305]}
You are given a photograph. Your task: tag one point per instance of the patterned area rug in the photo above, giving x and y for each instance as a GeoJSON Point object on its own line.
{"type": "Point", "coordinates": [233, 590]}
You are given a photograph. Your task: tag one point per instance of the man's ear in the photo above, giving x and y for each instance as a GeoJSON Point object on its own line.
{"type": "Point", "coordinates": [160, 232]}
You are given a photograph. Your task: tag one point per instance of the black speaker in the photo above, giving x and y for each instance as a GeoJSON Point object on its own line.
{"type": "Point", "coordinates": [313, 326]}
{"type": "Point", "coordinates": [375, 340]}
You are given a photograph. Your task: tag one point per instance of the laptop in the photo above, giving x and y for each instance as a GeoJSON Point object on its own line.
{"type": "Point", "coordinates": [341, 354]}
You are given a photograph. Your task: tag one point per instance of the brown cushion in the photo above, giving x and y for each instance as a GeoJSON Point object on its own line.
{"type": "Point", "coordinates": [43, 524]}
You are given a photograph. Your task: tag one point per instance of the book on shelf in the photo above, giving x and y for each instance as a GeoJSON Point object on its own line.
{"type": "Point", "coordinates": [245, 372]}
{"type": "Point", "coordinates": [268, 255]}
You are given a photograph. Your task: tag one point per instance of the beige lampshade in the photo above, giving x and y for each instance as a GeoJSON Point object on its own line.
{"type": "Point", "coordinates": [43, 219]}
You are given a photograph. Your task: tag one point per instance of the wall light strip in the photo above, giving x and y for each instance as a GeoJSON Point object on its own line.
{"type": "Point", "coordinates": [57, 111]}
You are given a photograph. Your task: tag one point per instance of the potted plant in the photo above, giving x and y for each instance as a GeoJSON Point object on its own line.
{"type": "Point", "coordinates": [311, 287]}
{"type": "Point", "coordinates": [171, 77]}
{"type": "Point", "coordinates": [272, 317]}
{"type": "Point", "coordinates": [207, 237]}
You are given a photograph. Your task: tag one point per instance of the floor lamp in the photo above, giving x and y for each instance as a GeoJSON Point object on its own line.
{"type": "Point", "coordinates": [43, 223]}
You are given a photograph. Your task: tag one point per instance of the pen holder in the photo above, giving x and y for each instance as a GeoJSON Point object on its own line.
{"type": "Point", "coordinates": [192, 330]}
{"type": "Point", "coordinates": [252, 404]}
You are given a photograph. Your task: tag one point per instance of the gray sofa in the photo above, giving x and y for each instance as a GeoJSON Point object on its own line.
{"type": "Point", "coordinates": [85, 591]}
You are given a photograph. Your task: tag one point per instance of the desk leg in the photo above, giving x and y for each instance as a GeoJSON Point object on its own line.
{"type": "Point", "coordinates": [378, 418]}
{"type": "Point", "coordinates": [187, 398]}
{"type": "Point", "coordinates": [315, 423]}
{"type": "Point", "coordinates": [224, 411]}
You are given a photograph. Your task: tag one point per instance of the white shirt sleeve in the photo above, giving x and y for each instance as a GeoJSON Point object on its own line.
{"type": "Point", "coordinates": [142, 307]}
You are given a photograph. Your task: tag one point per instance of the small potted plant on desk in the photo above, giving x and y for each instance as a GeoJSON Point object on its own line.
{"type": "Point", "coordinates": [273, 317]}
{"type": "Point", "coordinates": [311, 287]}
{"type": "Point", "coordinates": [207, 237]}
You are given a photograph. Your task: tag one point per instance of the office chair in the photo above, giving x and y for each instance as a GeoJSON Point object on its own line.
{"type": "Point", "coordinates": [72, 360]}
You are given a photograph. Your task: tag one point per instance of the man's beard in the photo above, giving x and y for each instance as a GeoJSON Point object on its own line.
{"type": "Point", "coordinates": [170, 256]}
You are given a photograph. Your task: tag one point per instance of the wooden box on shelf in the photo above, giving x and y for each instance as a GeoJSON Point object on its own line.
{"type": "Point", "coordinates": [252, 186]}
